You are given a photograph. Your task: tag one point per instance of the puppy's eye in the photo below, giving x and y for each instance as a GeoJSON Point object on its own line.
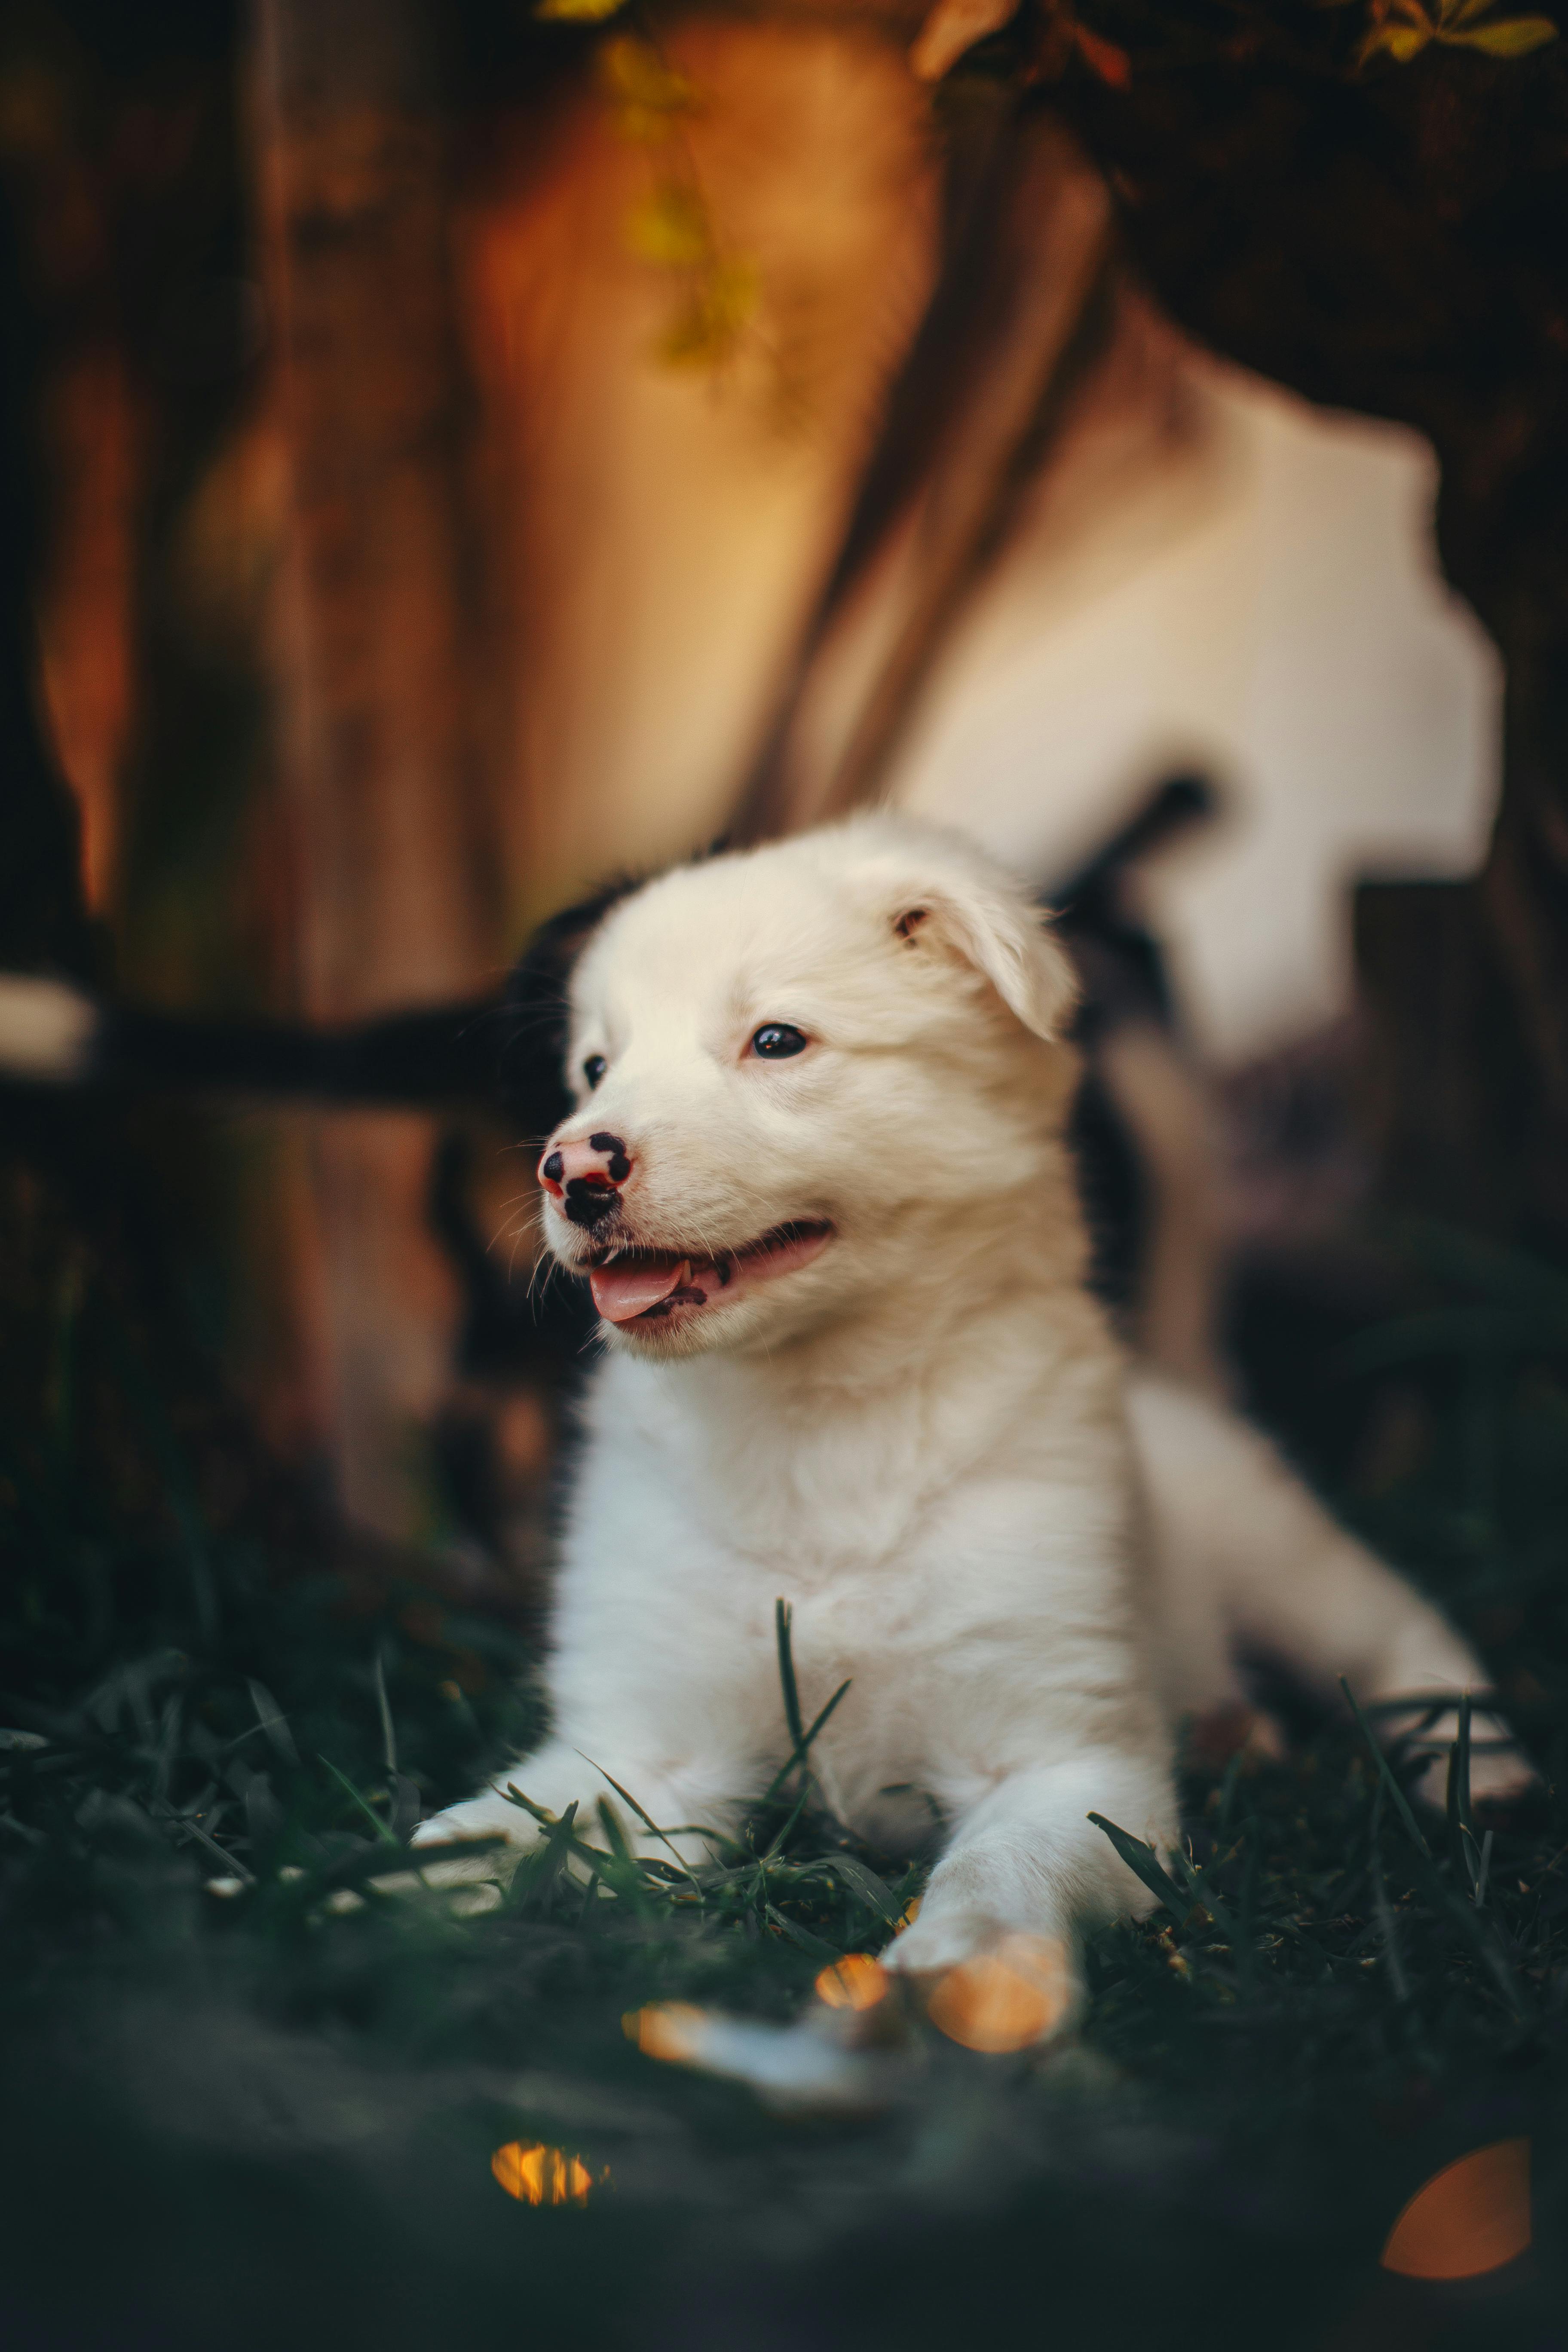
{"type": "Point", "coordinates": [775, 1041]}
{"type": "Point", "coordinates": [593, 1070]}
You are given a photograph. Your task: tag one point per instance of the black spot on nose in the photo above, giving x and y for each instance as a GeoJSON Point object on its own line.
{"type": "Point", "coordinates": [620, 1164]}
{"type": "Point", "coordinates": [552, 1168]}
{"type": "Point", "coordinates": [586, 1203]}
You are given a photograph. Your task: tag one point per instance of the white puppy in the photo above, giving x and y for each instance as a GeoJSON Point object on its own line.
{"type": "Point", "coordinates": [817, 1180]}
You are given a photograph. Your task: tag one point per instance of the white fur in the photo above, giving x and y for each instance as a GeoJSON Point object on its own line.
{"type": "Point", "coordinates": [1246, 1559]}
{"type": "Point", "coordinates": [920, 1439]}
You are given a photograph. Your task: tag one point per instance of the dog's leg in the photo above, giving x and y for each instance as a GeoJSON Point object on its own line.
{"type": "Point", "coordinates": [1025, 1861]}
{"type": "Point", "coordinates": [1245, 1557]}
{"type": "Point", "coordinates": [681, 1800]}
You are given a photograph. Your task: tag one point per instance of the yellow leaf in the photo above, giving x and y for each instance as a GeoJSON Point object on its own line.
{"type": "Point", "coordinates": [1401, 41]}
{"type": "Point", "coordinates": [634, 72]}
{"type": "Point", "coordinates": [711, 324]}
{"type": "Point", "coordinates": [671, 228]}
{"type": "Point", "coordinates": [1514, 37]}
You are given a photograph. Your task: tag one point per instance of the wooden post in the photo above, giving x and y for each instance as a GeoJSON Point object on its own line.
{"type": "Point", "coordinates": [397, 899]}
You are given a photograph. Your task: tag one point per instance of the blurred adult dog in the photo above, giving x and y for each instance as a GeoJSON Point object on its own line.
{"type": "Point", "coordinates": [817, 1177]}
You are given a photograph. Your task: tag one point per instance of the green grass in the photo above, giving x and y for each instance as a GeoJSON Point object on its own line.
{"type": "Point", "coordinates": [233, 2117]}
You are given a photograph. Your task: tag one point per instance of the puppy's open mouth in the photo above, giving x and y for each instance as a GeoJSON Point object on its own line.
{"type": "Point", "coordinates": [645, 1286]}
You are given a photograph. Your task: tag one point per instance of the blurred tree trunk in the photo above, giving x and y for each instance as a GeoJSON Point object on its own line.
{"type": "Point", "coordinates": [44, 923]}
{"type": "Point", "coordinates": [394, 903]}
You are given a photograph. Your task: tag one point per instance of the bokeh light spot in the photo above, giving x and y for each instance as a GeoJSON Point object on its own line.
{"type": "Point", "coordinates": [670, 2030]}
{"type": "Point", "coordinates": [1471, 2217]}
{"type": "Point", "coordinates": [856, 1981]}
{"type": "Point", "coordinates": [1004, 1999]}
{"type": "Point", "coordinates": [536, 2175]}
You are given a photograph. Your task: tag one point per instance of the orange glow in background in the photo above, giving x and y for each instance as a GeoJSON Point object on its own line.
{"type": "Point", "coordinates": [1471, 2217]}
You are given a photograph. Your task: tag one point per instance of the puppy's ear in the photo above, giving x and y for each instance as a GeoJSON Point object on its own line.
{"type": "Point", "coordinates": [1001, 934]}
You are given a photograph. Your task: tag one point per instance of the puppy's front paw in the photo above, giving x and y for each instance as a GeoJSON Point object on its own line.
{"type": "Point", "coordinates": [484, 1818]}
{"type": "Point", "coordinates": [987, 1988]}
{"type": "Point", "coordinates": [1499, 1776]}
{"type": "Point", "coordinates": [1500, 1772]}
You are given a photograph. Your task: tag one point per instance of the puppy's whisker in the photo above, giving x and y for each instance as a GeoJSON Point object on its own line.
{"type": "Point", "coordinates": [539, 1273]}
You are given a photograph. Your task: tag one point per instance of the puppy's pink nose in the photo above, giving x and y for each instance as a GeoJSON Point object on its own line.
{"type": "Point", "coordinates": [586, 1174]}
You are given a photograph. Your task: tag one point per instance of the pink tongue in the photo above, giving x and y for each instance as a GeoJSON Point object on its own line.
{"type": "Point", "coordinates": [622, 1291]}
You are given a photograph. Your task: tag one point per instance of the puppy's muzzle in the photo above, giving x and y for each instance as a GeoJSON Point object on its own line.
{"type": "Point", "coordinates": [586, 1175]}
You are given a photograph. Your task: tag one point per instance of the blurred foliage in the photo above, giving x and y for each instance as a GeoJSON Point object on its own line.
{"type": "Point", "coordinates": [1402, 28]}
{"type": "Point", "coordinates": [1109, 40]}
{"type": "Point", "coordinates": [297, 2084]}
{"type": "Point", "coordinates": [672, 227]}
{"type": "Point", "coordinates": [1114, 38]}
{"type": "Point", "coordinates": [1149, 37]}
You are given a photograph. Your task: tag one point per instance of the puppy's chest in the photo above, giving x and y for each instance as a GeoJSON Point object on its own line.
{"type": "Point", "coordinates": [869, 1526]}
{"type": "Point", "coordinates": [888, 1551]}
{"type": "Point", "coordinates": [822, 1506]}
{"type": "Point", "coordinates": [835, 1538]}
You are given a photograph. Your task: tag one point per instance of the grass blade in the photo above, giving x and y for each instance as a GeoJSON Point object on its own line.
{"type": "Point", "coordinates": [372, 1816]}
{"type": "Point", "coordinates": [535, 1877]}
{"type": "Point", "coordinates": [783, 1615]}
{"type": "Point", "coordinates": [271, 1719]}
{"type": "Point", "coordinates": [191, 1829]}
{"type": "Point", "coordinates": [1383, 1908]}
{"type": "Point", "coordinates": [1463, 1842]}
{"type": "Point", "coordinates": [1144, 1864]}
{"type": "Point", "coordinates": [388, 1736]}
{"type": "Point", "coordinates": [865, 1884]}
{"type": "Point", "coordinates": [802, 1938]}
{"type": "Point", "coordinates": [1400, 1802]}
{"type": "Point", "coordinates": [647, 1819]}
{"type": "Point", "coordinates": [802, 1747]}
{"type": "Point", "coordinates": [1477, 1934]}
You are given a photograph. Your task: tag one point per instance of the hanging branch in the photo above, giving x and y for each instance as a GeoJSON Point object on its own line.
{"type": "Point", "coordinates": [1022, 307]}
{"type": "Point", "coordinates": [984, 516]}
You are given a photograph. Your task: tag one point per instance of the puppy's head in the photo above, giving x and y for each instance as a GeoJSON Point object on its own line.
{"type": "Point", "coordinates": [801, 1071]}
